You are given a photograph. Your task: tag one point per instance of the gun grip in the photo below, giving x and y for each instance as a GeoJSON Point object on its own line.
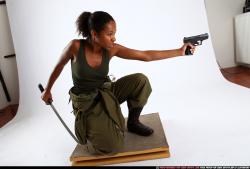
{"type": "Point", "coordinates": [188, 51]}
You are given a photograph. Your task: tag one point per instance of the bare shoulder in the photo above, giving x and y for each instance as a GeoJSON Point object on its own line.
{"type": "Point", "coordinates": [73, 47]}
{"type": "Point", "coordinates": [115, 49]}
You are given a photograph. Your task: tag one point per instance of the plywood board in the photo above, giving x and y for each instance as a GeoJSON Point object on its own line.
{"type": "Point", "coordinates": [123, 159]}
{"type": "Point", "coordinates": [136, 147]}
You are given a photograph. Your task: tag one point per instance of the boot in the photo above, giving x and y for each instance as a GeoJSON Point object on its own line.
{"type": "Point", "coordinates": [135, 126]}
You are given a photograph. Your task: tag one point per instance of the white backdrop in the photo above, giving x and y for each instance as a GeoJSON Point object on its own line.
{"type": "Point", "coordinates": [205, 118]}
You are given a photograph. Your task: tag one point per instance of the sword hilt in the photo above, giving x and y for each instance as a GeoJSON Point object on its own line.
{"type": "Point", "coordinates": [40, 86]}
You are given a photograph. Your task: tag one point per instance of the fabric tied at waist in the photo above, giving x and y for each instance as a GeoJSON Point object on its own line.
{"type": "Point", "coordinates": [87, 103]}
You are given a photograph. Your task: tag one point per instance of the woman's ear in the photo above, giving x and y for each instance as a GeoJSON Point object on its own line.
{"type": "Point", "coordinates": [93, 35]}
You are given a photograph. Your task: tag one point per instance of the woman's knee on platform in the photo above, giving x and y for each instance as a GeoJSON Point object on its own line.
{"type": "Point", "coordinates": [110, 147]}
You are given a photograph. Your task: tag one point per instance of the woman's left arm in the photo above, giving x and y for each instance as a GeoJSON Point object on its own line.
{"type": "Point", "coordinates": [148, 55]}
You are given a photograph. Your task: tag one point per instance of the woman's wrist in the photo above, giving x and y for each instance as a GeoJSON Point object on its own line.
{"type": "Point", "coordinates": [180, 52]}
{"type": "Point", "coordinates": [47, 89]}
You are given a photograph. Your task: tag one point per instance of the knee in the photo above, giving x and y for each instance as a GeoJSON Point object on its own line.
{"type": "Point", "coordinates": [110, 147]}
{"type": "Point", "coordinates": [115, 148]}
{"type": "Point", "coordinates": [143, 80]}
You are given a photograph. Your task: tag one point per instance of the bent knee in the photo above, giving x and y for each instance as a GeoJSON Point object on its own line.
{"type": "Point", "coordinates": [141, 77]}
{"type": "Point", "coordinates": [108, 144]}
{"type": "Point", "coordinates": [115, 148]}
{"type": "Point", "coordinates": [143, 80]}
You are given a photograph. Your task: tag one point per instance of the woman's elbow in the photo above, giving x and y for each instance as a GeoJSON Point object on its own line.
{"type": "Point", "coordinates": [147, 58]}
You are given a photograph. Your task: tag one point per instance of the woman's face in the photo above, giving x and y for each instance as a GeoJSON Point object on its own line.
{"type": "Point", "coordinates": [106, 37]}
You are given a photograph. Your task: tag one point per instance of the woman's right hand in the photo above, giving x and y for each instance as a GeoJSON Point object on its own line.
{"type": "Point", "coordinates": [46, 96]}
{"type": "Point", "coordinates": [184, 47]}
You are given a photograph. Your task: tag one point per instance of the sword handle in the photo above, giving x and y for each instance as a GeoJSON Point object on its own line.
{"type": "Point", "coordinates": [40, 86]}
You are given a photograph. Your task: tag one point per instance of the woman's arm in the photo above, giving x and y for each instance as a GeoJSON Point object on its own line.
{"type": "Point", "coordinates": [148, 55]}
{"type": "Point", "coordinates": [67, 54]}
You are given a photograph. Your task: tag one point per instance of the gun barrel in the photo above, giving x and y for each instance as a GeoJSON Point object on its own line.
{"type": "Point", "coordinates": [200, 37]}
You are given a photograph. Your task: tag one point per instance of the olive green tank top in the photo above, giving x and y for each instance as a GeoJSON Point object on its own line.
{"type": "Point", "coordinates": [86, 78]}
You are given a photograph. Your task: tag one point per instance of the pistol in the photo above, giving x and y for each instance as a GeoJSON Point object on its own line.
{"type": "Point", "coordinates": [194, 40]}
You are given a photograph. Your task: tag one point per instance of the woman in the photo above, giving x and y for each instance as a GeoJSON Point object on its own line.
{"type": "Point", "coordinates": [95, 99]}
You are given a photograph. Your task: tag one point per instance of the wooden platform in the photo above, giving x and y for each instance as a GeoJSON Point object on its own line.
{"type": "Point", "coordinates": [136, 148]}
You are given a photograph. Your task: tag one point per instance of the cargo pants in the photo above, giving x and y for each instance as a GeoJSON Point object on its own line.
{"type": "Point", "coordinates": [96, 126]}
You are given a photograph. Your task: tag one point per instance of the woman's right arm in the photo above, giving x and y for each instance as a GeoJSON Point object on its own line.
{"type": "Point", "coordinates": [67, 54]}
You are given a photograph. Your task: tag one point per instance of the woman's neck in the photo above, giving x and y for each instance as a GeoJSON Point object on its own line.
{"type": "Point", "coordinates": [94, 47]}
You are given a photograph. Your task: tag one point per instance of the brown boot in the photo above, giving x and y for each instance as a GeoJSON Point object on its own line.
{"type": "Point", "coordinates": [135, 126]}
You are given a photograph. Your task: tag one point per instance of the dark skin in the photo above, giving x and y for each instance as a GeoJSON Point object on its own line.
{"type": "Point", "coordinates": [93, 52]}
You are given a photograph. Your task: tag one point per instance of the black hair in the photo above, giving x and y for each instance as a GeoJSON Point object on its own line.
{"type": "Point", "coordinates": [88, 21]}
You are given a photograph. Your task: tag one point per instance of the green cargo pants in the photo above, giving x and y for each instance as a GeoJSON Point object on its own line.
{"type": "Point", "coordinates": [134, 88]}
{"type": "Point", "coordinates": [101, 121]}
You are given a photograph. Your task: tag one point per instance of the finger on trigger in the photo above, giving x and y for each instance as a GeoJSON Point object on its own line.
{"type": "Point", "coordinates": [192, 46]}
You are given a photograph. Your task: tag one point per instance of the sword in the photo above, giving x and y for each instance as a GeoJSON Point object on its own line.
{"type": "Point", "coordinates": [57, 114]}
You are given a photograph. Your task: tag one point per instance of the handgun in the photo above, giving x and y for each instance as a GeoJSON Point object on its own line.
{"type": "Point", "coordinates": [194, 40]}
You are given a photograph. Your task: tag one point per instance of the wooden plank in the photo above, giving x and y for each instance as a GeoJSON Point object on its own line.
{"type": "Point", "coordinates": [123, 159]}
{"type": "Point", "coordinates": [136, 147]}
{"type": "Point", "coordinates": [94, 157]}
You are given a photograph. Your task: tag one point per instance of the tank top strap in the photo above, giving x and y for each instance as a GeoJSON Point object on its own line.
{"type": "Point", "coordinates": [81, 51]}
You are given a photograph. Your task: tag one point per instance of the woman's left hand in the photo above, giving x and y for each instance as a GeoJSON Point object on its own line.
{"type": "Point", "coordinates": [184, 47]}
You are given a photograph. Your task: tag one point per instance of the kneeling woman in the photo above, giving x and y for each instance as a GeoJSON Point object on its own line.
{"type": "Point", "coordinates": [95, 99]}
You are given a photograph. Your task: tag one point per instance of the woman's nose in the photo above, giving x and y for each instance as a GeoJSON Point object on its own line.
{"type": "Point", "coordinates": [113, 39]}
